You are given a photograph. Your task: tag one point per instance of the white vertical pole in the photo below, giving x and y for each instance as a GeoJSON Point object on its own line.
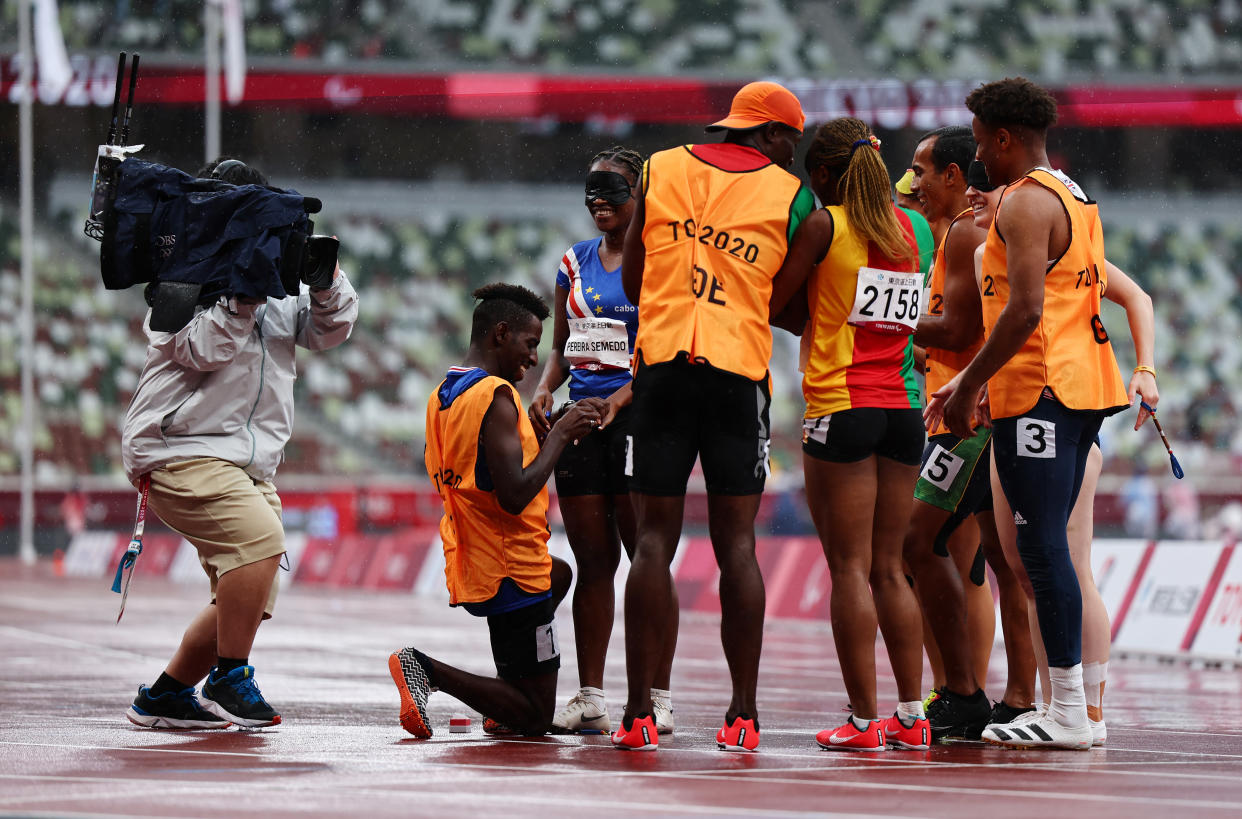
{"type": "Point", "coordinates": [211, 31]}
{"type": "Point", "coordinates": [26, 344]}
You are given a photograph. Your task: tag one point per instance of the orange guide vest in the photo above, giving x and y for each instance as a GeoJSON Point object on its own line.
{"type": "Point", "coordinates": [483, 544]}
{"type": "Point", "coordinates": [715, 235]}
{"type": "Point", "coordinates": [1069, 351]}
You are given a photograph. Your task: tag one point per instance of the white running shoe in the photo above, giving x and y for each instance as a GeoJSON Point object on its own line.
{"type": "Point", "coordinates": [1099, 732]}
{"type": "Point", "coordinates": [662, 710]}
{"type": "Point", "coordinates": [1023, 719]}
{"type": "Point", "coordinates": [1041, 732]}
{"type": "Point", "coordinates": [585, 713]}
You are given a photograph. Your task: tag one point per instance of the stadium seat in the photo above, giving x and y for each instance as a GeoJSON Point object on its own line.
{"type": "Point", "coordinates": [360, 406]}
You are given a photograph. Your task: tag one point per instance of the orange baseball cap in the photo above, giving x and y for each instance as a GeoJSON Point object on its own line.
{"type": "Point", "coordinates": [759, 103]}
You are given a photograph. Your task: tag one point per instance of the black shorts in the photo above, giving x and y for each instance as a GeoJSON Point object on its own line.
{"type": "Point", "coordinates": [852, 435]}
{"type": "Point", "coordinates": [978, 568]}
{"type": "Point", "coordinates": [524, 641]}
{"type": "Point", "coordinates": [682, 411]}
{"type": "Point", "coordinates": [596, 466]}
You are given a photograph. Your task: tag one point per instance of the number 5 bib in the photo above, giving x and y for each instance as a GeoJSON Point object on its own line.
{"type": "Point", "coordinates": [886, 301]}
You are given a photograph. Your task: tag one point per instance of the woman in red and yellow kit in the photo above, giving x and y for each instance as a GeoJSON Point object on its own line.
{"type": "Point", "coordinates": [862, 434]}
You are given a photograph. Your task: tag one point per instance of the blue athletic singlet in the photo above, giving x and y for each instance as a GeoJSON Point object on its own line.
{"type": "Point", "coordinates": [602, 323]}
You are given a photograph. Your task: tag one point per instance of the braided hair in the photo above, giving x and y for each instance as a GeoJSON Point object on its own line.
{"type": "Point", "coordinates": [625, 157]}
{"type": "Point", "coordinates": [851, 153]}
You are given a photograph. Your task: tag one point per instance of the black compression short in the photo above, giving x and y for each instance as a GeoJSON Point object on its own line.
{"type": "Point", "coordinates": [682, 411]}
{"type": "Point", "coordinates": [596, 465]}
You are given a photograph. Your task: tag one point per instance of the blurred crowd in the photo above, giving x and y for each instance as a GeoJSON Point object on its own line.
{"type": "Point", "coordinates": [903, 38]}
{"type": "Point", "coordinates": [358, 406]}
{"type": "Point", "coordinates": [659, 35]}
{"type": "Point", "coordinates": [1188, 268]}
{"type": "Point", "coordinates": [1050, 38]}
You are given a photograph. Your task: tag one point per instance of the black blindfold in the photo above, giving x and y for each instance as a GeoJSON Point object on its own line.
{"type": "Point", "coordinates": [977, 177]}
{"type": "Point", "coordinates": [611, 187]}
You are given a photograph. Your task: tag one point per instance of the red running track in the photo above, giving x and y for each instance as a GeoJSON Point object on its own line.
{"type": "Point", "coordinates": [67, 750]}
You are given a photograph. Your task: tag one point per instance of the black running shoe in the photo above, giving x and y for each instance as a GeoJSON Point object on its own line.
{"type": "Point", "coordinates": [236, 698]}
{"type": "Point", "coordinates": [176, 710]}
{"type": "Point", "coordinates": [956, 716]}
{"type": "Point", "coordinates": [1003, 713]}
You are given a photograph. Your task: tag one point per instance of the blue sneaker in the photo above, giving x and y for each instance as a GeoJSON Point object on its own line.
{"type": "Point", "coordinates": [236, 698]}
{"type": "Point", "coordinates": [179, 709]}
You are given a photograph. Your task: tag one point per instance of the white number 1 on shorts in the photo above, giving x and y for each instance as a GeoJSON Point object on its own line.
{"type": "Point", "coordinates": [546, 644]}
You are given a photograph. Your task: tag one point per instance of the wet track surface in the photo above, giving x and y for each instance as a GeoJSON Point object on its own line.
{"type": "Point", "coordinates": [67, 750]}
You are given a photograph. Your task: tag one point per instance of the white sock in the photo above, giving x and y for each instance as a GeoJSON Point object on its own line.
{"type": "Point", "coordinates": [661, 694]}
{"type": "Point", "coordinates": [592, 693]}
{"type": "Point", "coordinates": [860, 723]}
{"type": "Point", "coordinates": [914, 709]}
{"type": "Point", "coordinates": [1069, 702]}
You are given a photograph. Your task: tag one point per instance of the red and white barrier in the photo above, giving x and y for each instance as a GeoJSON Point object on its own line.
{"type": "Point", "coordinates": [1163, 598]}
{"type": "Point", "coordinates": [1169, 598]}
{"type": "Point", "coordinates": [1219, 632]}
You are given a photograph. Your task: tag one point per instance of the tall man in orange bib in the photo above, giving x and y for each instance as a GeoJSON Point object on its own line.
{"type": "Point", "coordinates": [712, 226]}
{"type": "Point", "coordinates": [1050, 373]}
{"type": "Point", "coordinates": [491, 475]}
{"type": "Point", "coordinates": [952, 515]}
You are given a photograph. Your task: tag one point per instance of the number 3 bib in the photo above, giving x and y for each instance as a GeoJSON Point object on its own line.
{"type": "Point", "coordinates": [887, 301]}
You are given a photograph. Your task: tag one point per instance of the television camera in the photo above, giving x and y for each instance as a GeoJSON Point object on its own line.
{"type": "Point", "coordinates": [193, 240]}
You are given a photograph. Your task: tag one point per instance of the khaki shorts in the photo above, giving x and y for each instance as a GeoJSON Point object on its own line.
{"type": "Point", "coordinates": [232, 519]}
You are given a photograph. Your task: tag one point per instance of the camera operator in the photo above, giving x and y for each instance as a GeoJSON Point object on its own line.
{"type": "Point", "coordinates": [205, 431]}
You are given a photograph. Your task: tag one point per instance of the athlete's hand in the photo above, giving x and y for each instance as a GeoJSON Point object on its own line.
{"type": "Point", "coordinates": [983, 412]}
{"type": "Point", "coordinates": [1143, 386]}
{"type": "Point", "coordinates": [959, 407]}
{"type": "Point", "coordinates": [610, 412]}
{"type": "Point", "coordinates": [579, 420]}
{"type": "Point", "coordinates": [933, 413]}
{"type": "Point", "coordinates": [539, 411]}
{"type": "Point", "coordinates": [616, 402]}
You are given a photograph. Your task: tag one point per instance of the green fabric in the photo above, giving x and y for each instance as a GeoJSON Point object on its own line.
{"type": "Point", "coordinates": [914, 390]}
{"type": "Point", "coordinates": [926, 243]}
{"type": "Point", "coordinates": [948, 495]}
{"type": "Point", "coordinates": [803, 205]}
